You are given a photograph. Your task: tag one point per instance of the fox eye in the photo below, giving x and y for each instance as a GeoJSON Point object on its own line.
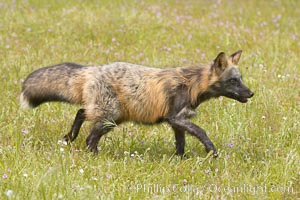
{"type": "Point", "coordinates": [233, 81]}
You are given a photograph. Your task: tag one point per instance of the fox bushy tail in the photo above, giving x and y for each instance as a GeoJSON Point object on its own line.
{"type": "Point", "coordinates": [61, 82]}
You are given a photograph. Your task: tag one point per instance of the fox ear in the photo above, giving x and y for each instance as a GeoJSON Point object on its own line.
{"type": "Point", "coordinates": [220, 63]}
{"type": "Point", "coordinates": [235, 57]}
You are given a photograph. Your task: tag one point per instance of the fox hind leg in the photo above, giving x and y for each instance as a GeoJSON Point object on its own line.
{"type": "Point", "coordinates": [79, 119]}
{"type": "Point", "coordinates": [180, 140]}
{"type": "Point", "coordinates": [99, 129]}
{"type": "Point", "coordinates": [103, 108]}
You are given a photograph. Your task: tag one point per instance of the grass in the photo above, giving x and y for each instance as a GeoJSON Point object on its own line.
{"type": "Point", "coordinates": [258, 142]}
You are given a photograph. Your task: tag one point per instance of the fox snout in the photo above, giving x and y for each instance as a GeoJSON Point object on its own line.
{"type": "Point", "coordinates": [244, 95]}
{"type": "Point", "coordinates": [251, 94]}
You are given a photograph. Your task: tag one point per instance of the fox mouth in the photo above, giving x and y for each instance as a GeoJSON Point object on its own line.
{"type": "Point", "coordinates": [242, 99]}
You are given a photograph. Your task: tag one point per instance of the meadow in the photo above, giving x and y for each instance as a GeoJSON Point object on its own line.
{"type": "Point", "coordinates": [258, 142]}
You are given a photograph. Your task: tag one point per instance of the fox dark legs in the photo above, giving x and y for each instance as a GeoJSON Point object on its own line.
{"type": "Point", "coordinates": [193, 130]}
{"type": "Point", "coordinates": [79, 119]}
{"type": "Point", "coordinates": [180, 140]}
{"type": "Point", "coordinates": [98, 130]}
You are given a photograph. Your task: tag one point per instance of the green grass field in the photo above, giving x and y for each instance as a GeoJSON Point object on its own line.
{"type": "Point", "coordinates": [258, 142]}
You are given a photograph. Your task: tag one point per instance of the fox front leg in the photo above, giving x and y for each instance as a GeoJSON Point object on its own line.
{"type": "Point", "coordinates": [180, 123]}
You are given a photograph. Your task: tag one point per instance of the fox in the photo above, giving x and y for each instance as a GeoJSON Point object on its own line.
{"type": "Point", "coordinates": [120, 92]}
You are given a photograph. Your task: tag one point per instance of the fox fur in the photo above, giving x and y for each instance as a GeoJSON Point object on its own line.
{"type": "Point", "coordinates": [120, 92]}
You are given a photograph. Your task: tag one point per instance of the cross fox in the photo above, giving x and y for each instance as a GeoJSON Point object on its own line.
{"type": "Point", "coordinates": [121, 92]}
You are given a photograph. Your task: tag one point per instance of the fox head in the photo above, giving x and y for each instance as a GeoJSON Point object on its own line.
{"type": "Point", "coordinates": [228, 78]}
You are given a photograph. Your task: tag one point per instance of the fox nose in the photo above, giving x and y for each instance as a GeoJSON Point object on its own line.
{"type": "Point", "coordinates": [251, 94]}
